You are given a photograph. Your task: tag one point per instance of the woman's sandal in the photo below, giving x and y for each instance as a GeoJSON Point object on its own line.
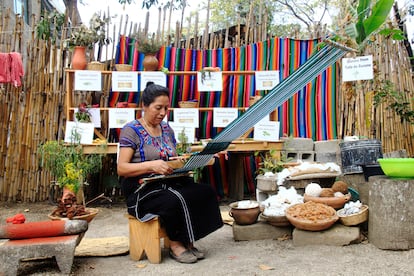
{"type": "Point", "coordinates": [199, 254]}
{"type": "Point", "coordinates": [187, 257]}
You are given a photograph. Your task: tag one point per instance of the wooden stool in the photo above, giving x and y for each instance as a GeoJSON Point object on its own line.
{"type": "Point", "coordinates": [145, 237]}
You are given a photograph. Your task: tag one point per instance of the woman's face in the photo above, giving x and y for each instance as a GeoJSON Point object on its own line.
{"type": "Point", "coordinates": [157, 110]}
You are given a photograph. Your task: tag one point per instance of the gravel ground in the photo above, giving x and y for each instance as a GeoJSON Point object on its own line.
{"type": "Point", "coordinates": [224, 255]}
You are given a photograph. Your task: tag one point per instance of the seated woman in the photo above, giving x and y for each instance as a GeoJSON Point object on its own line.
{"type": "Point", "coordinates": [187, 210]}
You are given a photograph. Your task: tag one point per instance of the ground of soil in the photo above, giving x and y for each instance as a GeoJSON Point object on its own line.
{"type": "Point", "coordinates": [224, 255]}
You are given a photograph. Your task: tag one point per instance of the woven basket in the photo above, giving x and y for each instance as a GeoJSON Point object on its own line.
{"type": "Point", "coordinates": [188, 104]}
{"type": "Point", "coordinates": [96, 66]}
{"type": "Point", "coordinates": [354, 219]}
{"type": "Point", "coordinates": [123, 67]}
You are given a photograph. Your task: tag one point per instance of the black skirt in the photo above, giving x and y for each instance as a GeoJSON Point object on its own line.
{"type": "Point", "coordinates": [189, 211]}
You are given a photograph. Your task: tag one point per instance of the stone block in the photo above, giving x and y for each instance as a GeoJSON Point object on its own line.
{"type": "Point", "coordinates": [60, 247]}
{"type": "Point", "coordinates": [337, 235]}
{"type": "Point", "coordinates": [390, 221]}
{"type": "Point", "coordinates": [297, 144]}
{"type": "Point", "coordinates": [260, 230]}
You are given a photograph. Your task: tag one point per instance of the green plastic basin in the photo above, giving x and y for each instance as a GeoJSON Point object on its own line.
{"type": "Point", "coordinates": [397, 167]}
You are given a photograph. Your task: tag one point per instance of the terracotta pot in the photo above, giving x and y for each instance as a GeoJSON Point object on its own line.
{"type": "Point", "coordinates": [79, 61]}
{"type": "Point", "coordinates": [244, 216]}
{"type": "Point", "coordinates": [150, 62]}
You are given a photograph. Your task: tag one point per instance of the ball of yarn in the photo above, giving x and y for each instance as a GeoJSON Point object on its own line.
{"type": "Point", "coordinates": [340, 186]}
{"type": "Point", "coordinates": [313, 189]}
{"type": "Point", "coordinates": [327, 192]}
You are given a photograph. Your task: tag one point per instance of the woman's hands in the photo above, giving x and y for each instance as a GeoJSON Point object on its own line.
{"type": "Point", "coordinates": [161, 167]}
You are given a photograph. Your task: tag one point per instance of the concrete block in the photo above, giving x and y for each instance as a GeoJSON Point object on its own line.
{"type": "Point", "coordinates": [261, 230]}
{"type": "Point", "coordinates": [337, 235]}
{"type": "Point", "coordinates": [298, 144]}
{"type": "Point", "coordinates": [308, 156]}
{"type": "Point", "coordinates": [327, 146]}
{"type": "Point", "coordinates": [263, 195]}
{"type": "Point", "coordinates": [61, 247]}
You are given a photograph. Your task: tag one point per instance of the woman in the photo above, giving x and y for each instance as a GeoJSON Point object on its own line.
{"type": "Point", "coordinates": [187, 210]}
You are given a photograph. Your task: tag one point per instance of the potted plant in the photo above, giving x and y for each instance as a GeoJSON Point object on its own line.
{"type": "Point", "coordinates": [71, 169]}
{"type": "Point", "coordinates": [83, 37]}
{"type": "Point", "coordinates": [149, 46]}
{"type": "Point", "coordinates": [268, 169]}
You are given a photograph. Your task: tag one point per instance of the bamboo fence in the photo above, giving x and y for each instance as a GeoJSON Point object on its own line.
{"type": "Point", "coordinates": [34, 113]}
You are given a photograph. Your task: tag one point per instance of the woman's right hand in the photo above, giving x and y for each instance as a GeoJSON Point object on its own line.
{"type": "Point", "coordinates": [161, 167]}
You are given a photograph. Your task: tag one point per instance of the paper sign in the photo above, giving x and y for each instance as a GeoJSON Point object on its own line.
{"type": "Point", "coordinates": [359, 68]}
{"type": "Point", "coordinates": [188, 130]}
{"type": "Point", "coordinates": [266, 80]}
{"type": "Point", "coordinates": [88, 80]}
{"type": "Point", "coordinates": [264, 120]}
{"type": "Point", "coordinates": [186, 116]}
{"type": "Point", "coordinates": [124, 81]}
{"type": "Point", "coordinates": [84, 130]}
{"type": "Point", "coordinates": [224, 116]}
{"type": "Point", "coordinates": [267, 131]}
{"type": "Point", "coordinates": [156, 77]}
{"type": "Point", "coordinates": [210, 81]}
{"type": "Point", "coordinates": [118, 117]}
{"type": "Point", "coordinates": [95, 116]}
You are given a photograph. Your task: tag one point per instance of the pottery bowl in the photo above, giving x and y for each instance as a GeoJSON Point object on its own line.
{"type": "Point", "coordinates": [244, 215]}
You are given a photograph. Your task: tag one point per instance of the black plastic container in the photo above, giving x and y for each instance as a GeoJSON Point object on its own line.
{"type": "Point", "coordinates": [370, 170]}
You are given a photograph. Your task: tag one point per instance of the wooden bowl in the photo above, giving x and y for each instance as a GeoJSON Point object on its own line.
{"type": "Point", "coordinates": [354, 219]}
{"type": "Point", "coordinates": [334, 202]}
{"type": "Point", "coordinates": [318, 224]}
{"type": "Point", "coordinates": [279, 221]}
{"type": "Point", "coordinates": [88, 217]}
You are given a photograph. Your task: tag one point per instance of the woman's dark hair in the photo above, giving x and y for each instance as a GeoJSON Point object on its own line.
{"type": "Point", "coordinates": [153, 91]}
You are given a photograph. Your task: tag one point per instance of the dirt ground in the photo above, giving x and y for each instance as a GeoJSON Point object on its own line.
{"type": "Point", "coordinates": [224, 255]}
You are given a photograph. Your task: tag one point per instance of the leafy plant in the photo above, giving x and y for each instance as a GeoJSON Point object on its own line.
{"type": "Point", "coordinates": [269, 163]}
{"type": "Point", "coordinates": [147, 44]}
{"type": "Point", "coordinates": [83, 115]}
{"type": "Point", "coordinates": [49, 25]}
{"type": "Point", "coordinates": [67, 162]}
{"type": "Point", "coordinates": [396, 100]}
{"type": "Point", "coordinates": [88, 36]}
{"type": "Point", "coordinates": [183, 145]}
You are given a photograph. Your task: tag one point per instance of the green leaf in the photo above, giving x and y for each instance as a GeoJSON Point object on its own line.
{"type": "Point", "coordinates": [379, 14]}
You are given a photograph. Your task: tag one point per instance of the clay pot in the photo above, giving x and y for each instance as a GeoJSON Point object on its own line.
{"type": "Point", "coordinates": [150, 62]}
{"type": "Point", "coordinates": [244, 216]}
{"type": "Point", "coordinates": [79, 61]}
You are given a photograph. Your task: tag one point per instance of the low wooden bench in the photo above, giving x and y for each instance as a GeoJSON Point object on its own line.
{"type": "Point", "coordinates": [145, 237]}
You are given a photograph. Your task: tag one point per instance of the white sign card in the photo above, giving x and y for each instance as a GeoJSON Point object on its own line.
{"type": "Point", "coordinates": [359, 68]}
{"type": "Point", "coordinates": [268, 131]}
{"type": "Point", "coordinates": [224, 116]}
{"type": "Point", "coordinates": [186, 116]}
{"type": "Point", "coordinates": [84, 130]}
{"type": "Point", "coordinates": [118, 117]}
{"type": "Point", "coordinates": [188, 131]}
{"type": "Point", "coordinates": [264, 120]}
{"type": "Point", "coordinates": [210, 81]}
{"type": "Point", "coordinates": [266, 80]}
{"type": "Point", "coordinates": [124, 81]}
{"type": "Point", "coordinates": [156, 77]}
{"type": "Point", "coordinates": [88, 80]}
{"type": "Point", "coordinates": [95, 116]}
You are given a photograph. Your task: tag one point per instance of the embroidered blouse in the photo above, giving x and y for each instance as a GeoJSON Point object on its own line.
{"type": "Point", "coordinates": [148, 147]}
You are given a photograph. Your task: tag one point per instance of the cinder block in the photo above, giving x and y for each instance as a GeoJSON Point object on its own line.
{"type": "Point", "coordinates": [307, 156]}
{"type": "Point", "coordinates": [327, 146]}
{"type": "Point", "coordinates": [260, 230]}
{"type": "Point", "coordinates": [297, 144]}
{"type": "Point", "coordinates": [337, 235]}
{"type": "Point", "coordinates": [263, 195]}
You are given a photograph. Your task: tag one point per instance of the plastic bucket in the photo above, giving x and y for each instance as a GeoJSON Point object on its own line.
{"type": "Point", "coordinates": [355, 154]}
